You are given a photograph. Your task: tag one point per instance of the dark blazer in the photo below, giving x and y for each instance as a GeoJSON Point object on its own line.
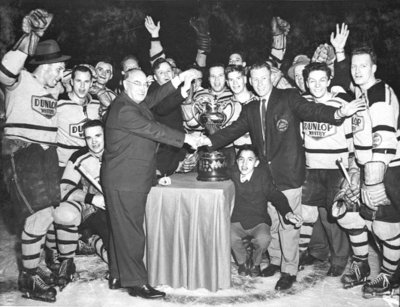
{"type": "Point", "coordinates": [283, 150]}
{"type": "Point", "coordinates": [168, 112]}
{"type": "Point", "coordinates": [131, 137]}
{"type": "Point", "coordinates": [251, 198]}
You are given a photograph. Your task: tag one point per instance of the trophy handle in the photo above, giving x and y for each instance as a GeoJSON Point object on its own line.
{"type": "Point", "coordinates": [223, 106]}
{"type": "Point", "coordinates": [199, 105]}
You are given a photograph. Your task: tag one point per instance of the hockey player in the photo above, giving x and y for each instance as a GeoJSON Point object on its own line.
{"type": "Point", "coordinates": [30, 143]}
{"type": "Point", "coordinates": [237, 82]}
{"type": "Point", "coordinates": [81, 198]}
{"type": "Point", "coordinates": [375, 133]}
{"type": "Point", "coordinates": [324, 144]}
{"type": "Point", "coordinates": [73, 110]}
{"type": "Point", "coordinates": [99, 90]}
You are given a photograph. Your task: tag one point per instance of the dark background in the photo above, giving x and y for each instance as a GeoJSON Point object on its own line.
{"type": "Point", "coordinates": [89, 30]}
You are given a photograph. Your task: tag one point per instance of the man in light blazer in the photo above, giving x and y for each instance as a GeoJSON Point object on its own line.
{"type": "Point", "coordinates": [274, 126]}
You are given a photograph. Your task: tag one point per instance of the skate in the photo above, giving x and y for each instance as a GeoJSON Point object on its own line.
{"type": "Point", "coordinates": [33, 287]}
{"type": "Point", "coordinates": [47, 276]}
{"type": "Point", "coordinates": [50, 257]}
{"type": "Point", "coordinates": [378, 287]}
{"type": "Point", "coordinates": [356, 275]}
{"type": "Point", "coordinates": [66, 273]}
{"type": "Point", "coordinates": [84, 248]}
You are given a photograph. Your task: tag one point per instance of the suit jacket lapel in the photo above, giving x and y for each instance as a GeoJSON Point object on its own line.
{"type": "Point", "coordinates": [269, 120]}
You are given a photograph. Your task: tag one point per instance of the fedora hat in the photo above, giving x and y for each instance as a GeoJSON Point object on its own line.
{"type": "Point", "coordinates": [48, 52]}
{"type": "Point", "coordinates": [298, 60]}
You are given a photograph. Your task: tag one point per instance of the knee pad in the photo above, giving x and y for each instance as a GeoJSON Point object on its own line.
{"type": "Point", "coordinates": [39, 222]}
{"type": "Point", "coordinates": [67, 214]}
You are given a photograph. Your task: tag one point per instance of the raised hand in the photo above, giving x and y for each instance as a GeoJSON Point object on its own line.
{"type": "Point", "coordinates": [36, 21]}
{"type": "Point", "coordinates": [338, 41]}
{"type": "Point", "coordinates": [279, 26]}
{"type": "Point", "coordinates": [200, 26]}
{"type": "Point", "coordinates": [324, 54]}
{"type": "Point", "coordinates": [348, 109]}
{"type": "Point", "coordinates": [154, 29]}
{"type": "Point", "coordinates": [33, 25]}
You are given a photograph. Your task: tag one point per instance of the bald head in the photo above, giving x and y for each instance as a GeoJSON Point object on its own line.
{"type": "Point", "coordinates": [135, 85]}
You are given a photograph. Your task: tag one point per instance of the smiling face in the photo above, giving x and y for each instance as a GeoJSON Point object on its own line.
{"type": "Point", "coordinates": [217, 79]}
{"type": "Point", "coordinates": [236, 59]}
{"type": "Point", "coordinates": [136, 85]}
{"type": "Point", "coordinates": [104, 72]}
{"type": "Point", "coordinates": [163, 73]}
{"type": "Point", "coordinates": [246, 162]}
{"type": "Point", "coordinates": [363, 70]}
{"type": "Point", "coordinates": [260, 79]}
{"type": "Point", "coordinates": [81, 83]}
{"type": "Point", "coordinates": [318, 82]}
{"type": "Point", "coordinates": [236, 82]}
{"type": "Point", "coordinates": [94, 137]}
{"type": "Point", "coordinates": [53, 73]}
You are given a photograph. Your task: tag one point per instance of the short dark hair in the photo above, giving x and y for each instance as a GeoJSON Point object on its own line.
{"type": "Point", "coordinates": [239, 52]}
{"type": "Point", "coordinates": [93, 123]}
{"type": "Point", "coordinates": [314, 67]}
{"type": "Point", "coordinates": [248, 147]}
{"type": "Point", "coordinates": [366, 50]}
{"type": "Point", "coordinates": [216, 65]}
{"type": "Point", "coordinates": [238, 68]}
{"type": "Point", "coordinates": [260, 65]}
{"type": "Point", "coordinates": [81, 68]}
{"type": "Point", "coordinates": [157, 63]}
{"type": "Point", "coordinates": [128, 57]}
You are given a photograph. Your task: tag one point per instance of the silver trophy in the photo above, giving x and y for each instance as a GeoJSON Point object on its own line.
{"type": "Point", "coordinates": [212, 115]}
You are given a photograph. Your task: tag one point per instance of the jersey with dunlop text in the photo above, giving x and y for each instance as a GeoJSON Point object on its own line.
{"type": "Point", "coordinates": [71, 117]}
{"type": "Point", "coordinates": [325, 143]}
{"type": "Point", "coordinates": [30, 111]}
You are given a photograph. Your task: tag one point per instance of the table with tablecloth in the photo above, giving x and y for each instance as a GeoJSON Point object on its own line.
{"type": "Point", "coordinates": [188, 233]}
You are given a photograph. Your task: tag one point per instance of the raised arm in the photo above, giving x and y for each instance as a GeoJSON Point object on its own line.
{"type": "Point", "coordinates": [280, 29]}
{"type": "Point", "coordinates": [156, 49]}
{"type": "Point", "coordinates": [33, 25]}
{"type": "Point", "coordinates": [203, 41]}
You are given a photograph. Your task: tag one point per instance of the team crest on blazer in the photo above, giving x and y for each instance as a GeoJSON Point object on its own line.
{"type": "Point", "coordinates": [282, 125]}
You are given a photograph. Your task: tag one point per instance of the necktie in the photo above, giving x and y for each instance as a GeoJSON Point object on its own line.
{"type": "Point", "coordinates": [263, 115]}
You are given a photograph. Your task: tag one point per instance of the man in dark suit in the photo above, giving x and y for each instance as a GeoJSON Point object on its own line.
{"type": "Point", "coordinates": [274, 126]}
{"type": "Point", "coordinates": [168, 112]}
{"type": "Point", "coordinates": [128, 170]}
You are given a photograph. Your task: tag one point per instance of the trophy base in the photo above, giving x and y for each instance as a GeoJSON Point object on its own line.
{"type": "Point", "coordinates": [212, 167]}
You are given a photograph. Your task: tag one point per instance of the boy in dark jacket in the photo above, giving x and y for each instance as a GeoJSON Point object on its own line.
{"type": "Point", "coordinates": [254, 188]}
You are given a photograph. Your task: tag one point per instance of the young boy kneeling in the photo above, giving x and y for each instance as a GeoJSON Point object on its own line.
{"type": "Point", "coordinates": [254, 188]}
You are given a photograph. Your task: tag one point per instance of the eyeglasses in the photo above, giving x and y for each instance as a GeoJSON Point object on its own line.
{"type": "Point", "coordinates": [138, 84]}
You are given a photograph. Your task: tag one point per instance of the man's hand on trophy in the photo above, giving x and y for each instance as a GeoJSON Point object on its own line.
{"type": "Point", "coordinates": [204, 141]}
{"type": "Point", "coordinates": [37, 22]}
{"type": "Point", "coordinates": [192, 140]}
{"type": "Point", "coordinates": [189, 77]}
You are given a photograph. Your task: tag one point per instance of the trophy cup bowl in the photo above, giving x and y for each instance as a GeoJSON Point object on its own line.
{"type": "Point", "coordinates": [212, 116]}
